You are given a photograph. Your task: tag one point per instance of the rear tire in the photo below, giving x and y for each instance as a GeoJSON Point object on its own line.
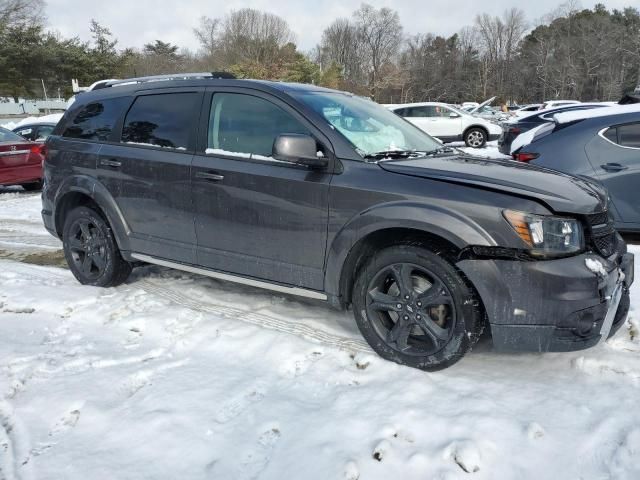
{"type": "Point", "coordinates": [91, 250]}
{"type": "Point", "coordinates": [475, 138]}
{"type": "Point", "coordinates": [415, 309]}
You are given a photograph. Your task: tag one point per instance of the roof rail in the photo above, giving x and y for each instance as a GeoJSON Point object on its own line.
{"type": "Point", "coordinates": [164, 78]}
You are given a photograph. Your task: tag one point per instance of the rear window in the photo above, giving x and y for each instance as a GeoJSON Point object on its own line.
{"type": "Point", "coordinates": [162, 121]}
{"type": "Point", "coordinates": [7, 136]}
{"type": "Point", "coordinates": [95, 121]}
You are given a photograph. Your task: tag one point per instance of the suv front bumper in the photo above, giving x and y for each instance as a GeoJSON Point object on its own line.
{"type": "Point", "coordinates": [552, 305]}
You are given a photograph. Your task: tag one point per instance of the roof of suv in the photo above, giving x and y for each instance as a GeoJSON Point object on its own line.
{"type": "Point", "coordinates": [128, 86]}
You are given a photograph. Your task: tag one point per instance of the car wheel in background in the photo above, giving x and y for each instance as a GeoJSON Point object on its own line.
{"type": "Point", "coordinates": [475, 138]}
{"type": "Point", "coordinates": [91, 250]}
{"type": "Point", "coordinates": [33, 186]}
{"type": "Point", "coordinates": [414, 308]}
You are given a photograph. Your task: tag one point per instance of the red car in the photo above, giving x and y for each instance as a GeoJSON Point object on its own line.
{"type": "Point", "coordinates": [20, 161]}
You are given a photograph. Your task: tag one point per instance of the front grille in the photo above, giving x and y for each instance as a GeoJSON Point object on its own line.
{"type": "Point", "coordinates": [606, 245]}
{"type": "Point", "coordinates": [602, 236]}
{"type": "Point", "coordinates": [598, 219]}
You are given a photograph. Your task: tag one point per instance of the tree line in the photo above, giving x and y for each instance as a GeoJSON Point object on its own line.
{"type": "Point", "coordinates": [572, 53]}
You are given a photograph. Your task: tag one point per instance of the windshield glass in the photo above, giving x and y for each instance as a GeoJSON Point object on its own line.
{"type": "Point", "coordinates": [460, 111]}
{"type": "Point", "coordinates": [369, 127]}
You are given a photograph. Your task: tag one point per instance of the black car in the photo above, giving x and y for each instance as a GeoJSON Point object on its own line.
{"type": "Point", "coordinates": [605, 146]}
{"type": "Point", "coordinates": [319, 193]}
{"type": "Point", "coordinates": [511, 129]}
{"type": "Point", "coordinates": [36, 132]}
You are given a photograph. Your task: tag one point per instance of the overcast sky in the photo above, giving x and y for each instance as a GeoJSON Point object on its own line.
{"type": "Point", "coordinates": [136, 22]}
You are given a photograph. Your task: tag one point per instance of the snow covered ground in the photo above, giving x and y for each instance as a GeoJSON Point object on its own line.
{"type": "Point", "coordinates": [490, 150]}
{"type": "Point", "coordinates": [178, 376]}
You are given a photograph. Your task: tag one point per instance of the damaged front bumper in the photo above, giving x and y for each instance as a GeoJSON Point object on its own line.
{"type": "Point", "coordinates": [553, 305]}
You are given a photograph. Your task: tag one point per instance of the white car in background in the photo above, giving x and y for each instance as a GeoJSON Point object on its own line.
{"type": "Point", "coordinates": [448, 123]}
{"type": "Point", "coordinates": [557, 103]}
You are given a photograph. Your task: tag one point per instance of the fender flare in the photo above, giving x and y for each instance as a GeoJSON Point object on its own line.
{"type": "Point", "coordinates": [97, 192]}
{"type": "Point", "coordinates": [445, 223]}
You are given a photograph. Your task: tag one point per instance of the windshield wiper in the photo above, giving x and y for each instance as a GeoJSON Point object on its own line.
{"type": "Point", "coordinates": [441, 150]}
{"type": "Point", "coordinates": [393, 154]}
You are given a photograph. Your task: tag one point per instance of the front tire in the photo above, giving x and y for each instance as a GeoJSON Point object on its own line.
{"type": "Point", "coordinates": [91, 250]}
{"type": "Point", "coordinates": [475, 138]}
{"type": "Point", "coordinates": [415, 309]}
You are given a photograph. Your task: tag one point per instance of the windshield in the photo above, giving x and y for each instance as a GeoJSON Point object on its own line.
{"type": "Point", "coordinates": [7, 136]}
{"type": "Point", "coordinates": [369, 127]}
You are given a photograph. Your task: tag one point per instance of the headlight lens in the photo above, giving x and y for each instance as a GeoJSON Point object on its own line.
{"type": "Point", "coordinates": [547, 235]}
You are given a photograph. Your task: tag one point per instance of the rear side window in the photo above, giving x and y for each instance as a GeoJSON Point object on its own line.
{"type": "Point", "coordinates": [427, 111]}
{"type": "Point", "coordinates": [611, 134]}
{"type": "Point", "coordinates": [247, 125]}
{"type": "Point", "coordinates": [163, 120]}
{"type": "Point", "coordinates": [625, 135]}
{"type": "Point", "coordinates": [629, 135]}
{"type": "Point", "coordinates": [95, 121]}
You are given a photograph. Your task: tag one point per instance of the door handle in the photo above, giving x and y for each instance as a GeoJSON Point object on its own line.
{"type": "Point", "coordinates": [613, 167]}
{"type": "Point", "coordinates": [209, 176]}
{"type": "Point", "coordinates": [110, 163]}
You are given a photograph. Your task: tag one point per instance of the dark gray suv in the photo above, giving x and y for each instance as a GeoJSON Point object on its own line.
{"type": "Point", "coordinates": [319, 193]}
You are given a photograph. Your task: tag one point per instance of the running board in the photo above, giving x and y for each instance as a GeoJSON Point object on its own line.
{"type": "Point", "coordinates": [300, 292]}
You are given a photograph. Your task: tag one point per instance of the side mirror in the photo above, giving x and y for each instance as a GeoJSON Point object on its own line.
{"type": "Point", "coordinates": [298, 149]}
{"type": "Point", "coordinates": [453, 115]}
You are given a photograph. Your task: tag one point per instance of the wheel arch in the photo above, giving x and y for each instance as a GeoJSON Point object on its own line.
{"type": "Point", "coordinates": [87, 191]}
{"type": "Point", "coordinates": [476, 125]}
{"type": "Point", "coordinates": [442, 230]}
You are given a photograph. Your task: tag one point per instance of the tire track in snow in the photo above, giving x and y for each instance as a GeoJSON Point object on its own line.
{"type": "Point", "coordinates": [270, 322]}
{"type": "Point", "coordinates": [266, 321]}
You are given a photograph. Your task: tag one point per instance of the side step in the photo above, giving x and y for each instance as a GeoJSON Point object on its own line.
{"type": "Point", "coordinates": [300, 292]}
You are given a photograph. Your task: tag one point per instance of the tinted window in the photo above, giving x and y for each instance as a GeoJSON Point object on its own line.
{"type": "Point", "coordinates": [427, 111]}
{"type": "Point", "coordinates": [629, 135]}
{"type": "Point", "coordinates": [611, 134]}
{"type": "Point", "coordinates": [7, 136]}
{"type": "Point", "coordinates": [96, 120]}
{"type": "Point", "coordinates": [245, 124]}
{"type": "Point", "coordinates": [164, 120]}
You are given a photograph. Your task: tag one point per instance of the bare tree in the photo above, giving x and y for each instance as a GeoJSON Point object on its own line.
{"type": "Point", "coordinates": [380, 32]}
{"type": "Point", "coordinates": [499, 39]}
{"type": "Point", "coordinates": [341, 45]}
{"type": "Point", "coordinates": [208, 33]}
{"type": "Point", "coordinates": [21, 12]}
{"type": "Point", "coordinates": [250, 35]}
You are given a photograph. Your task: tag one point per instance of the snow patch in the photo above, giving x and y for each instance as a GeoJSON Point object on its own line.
{"type": "Point", "coordinates": [568, 117]}
{"type": "Point", "coordinates": [596, 266]}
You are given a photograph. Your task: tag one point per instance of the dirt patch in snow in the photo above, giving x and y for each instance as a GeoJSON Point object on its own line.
{"type": "Point", "coordinates": [53, 258]}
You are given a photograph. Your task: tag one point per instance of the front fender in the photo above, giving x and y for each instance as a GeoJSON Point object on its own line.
{"type": "Point", "coordinates": [93, 189]}
{"type": "Point", "coordinates": [448, 224]}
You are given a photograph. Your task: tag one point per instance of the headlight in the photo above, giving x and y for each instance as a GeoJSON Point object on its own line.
{"type": "Point", "coordinates": [547, 235]}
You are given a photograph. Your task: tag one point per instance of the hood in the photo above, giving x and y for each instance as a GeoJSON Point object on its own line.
{"type": "Point", "coordinates": [560, 192]}
{"type": "Point", "coordinates": [483, 104]}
